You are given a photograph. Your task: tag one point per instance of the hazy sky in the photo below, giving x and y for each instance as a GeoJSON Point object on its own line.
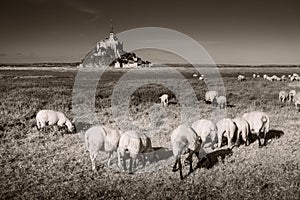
{"type": "Point", "coordinates": [232, 31]}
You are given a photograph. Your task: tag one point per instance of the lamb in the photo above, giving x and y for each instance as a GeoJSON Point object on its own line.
{"type": "Point", "coordinates": [226, 126]}
{"type": "Point", "coordinates": [297, 100]}
{"type": "Point", "coordinates": [51, 117]}
{"type": "Point", "coordinates": [221, 101]}
{"type": "Point", "coordinates": [183, 138]}
{"type": "Point", "coordinates": [243, 129]}
{"type": "Point", "coordinates": [134, 143]}
{"type": "Point", "coordinates": [292, 95]}
{"type": "Point", "coordinates": [210, 96]}
{"type": "Point", "coordinates": [101, 138]}
{"type": "Point", "coordinates": [259, 122]}
{"type": "Point", "coordinates": [204, 128]}
{"type": "Point", "coordinates": [241, 78]}
{"type": "Point", "coordinates": [283, 96]}
{"type": "Point", "coordinates": [164, 99]}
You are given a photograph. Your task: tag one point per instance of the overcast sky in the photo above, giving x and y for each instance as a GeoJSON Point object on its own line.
{"type": "Point", "coordinates": [232, 31]}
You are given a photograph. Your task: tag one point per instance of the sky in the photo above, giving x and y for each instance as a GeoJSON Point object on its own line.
{"type": "Point", "coordinates": [231, 31]}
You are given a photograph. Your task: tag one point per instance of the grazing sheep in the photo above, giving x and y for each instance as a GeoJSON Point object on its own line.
{"type": "Point", "coordinates": [164, 99]}
{"type": "Point", "coordinates": [297, 100]}
{"type": "Point", "coordinates": [283, 96]}
{"type": "Point", "coordinates": [183, 138]}
{"type": "Point", "coordinates": [292, 95]}
{"type": "Point", "coordinates": [201, 78]}
{"type": "Point", "coordinates": [101, 138]}
{"type": "Point", "coordinates": [243, 129]}
{"type": "Point", "coordinates": [51, 117]}
{"type": "Point", "coordinates": [226, 126]}
{"type": "Point", "coordinates": [259, 122]}
{"type": "Point", "coordinates": [257, 76]}
{"type": "Point", "coordinates": [241, 78]}
{"type": "Point", "coordinates": [221, 101]}
{"type": "Point", "coordinates": [254, 75]}
{"type": "Point", "coordinates": [283, 78]}
{"type": "Point", "coordinates": [265, 76]}
{"type": "Point", "coordinates": [210, 96]}
{"type": "Point", "coordinates": [195, 75]}
{"type": "Point", "coordinates": [134, 143]}
{"type": "Point", "coordinates": [204, 128]}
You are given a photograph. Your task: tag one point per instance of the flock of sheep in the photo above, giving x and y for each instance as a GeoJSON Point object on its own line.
{"type": "Point", "coordinates": [184, 139]}
{"type": "Point", "coordinates": [291, 77]}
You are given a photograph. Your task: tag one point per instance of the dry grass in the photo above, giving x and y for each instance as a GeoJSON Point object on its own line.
{"type": "Point", "coordinates": [55, 165]}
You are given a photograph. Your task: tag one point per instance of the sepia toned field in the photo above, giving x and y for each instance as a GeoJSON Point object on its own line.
{"type": "Point", "coordinates": [55, 165]}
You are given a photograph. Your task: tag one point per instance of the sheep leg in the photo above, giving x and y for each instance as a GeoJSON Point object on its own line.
{"type": "Point", "coordinates": [220, 135]}
{"type": "Point", "coordinates": [259, 143]}
{"type": "Point", "coordinates": [132, 160]}
{"type": "Point", "coordinates": [175, 165]}
{"type": "Point", "coordinates": [180, 167]}
{"type": "Point", "coordinates": [190, 158]}
{"type": "Point", "coordinates": [109, 158]}
{"type": "Point", "coordinates": [228, 138]}
{"type": "Point", "coordinates": [238, 138]}
{"type": "Point", "coordinates": [93, 158]}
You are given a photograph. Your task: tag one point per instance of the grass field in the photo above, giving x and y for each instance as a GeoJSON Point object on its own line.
{"type": "Point", "coordinates": [55, 165]}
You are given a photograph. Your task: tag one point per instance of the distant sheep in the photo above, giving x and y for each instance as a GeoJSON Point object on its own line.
{"type": "Point", "coordinates": [164, 99]}
{"type": "Point", "coordinates": [210, 97]}
{"type": "Point", "coordinates": [283, 96]}
{"type": "Point", "coordinates": [226, 126]}
{"type": "Point", "coordinates": [195, 75]}
{"type": "Point", "coordinates": [52, 117]}
{"type": "Point", "coordinates": [292, 95]}
{"type": "Point", "coordinates": [221, 101]}
{"type": "Point", "coordinates": [184, 139]}
{"type": "Point", "coordinates": [201, 78]}
{"type": "Point", "coordinates": [283, 78]}
{"type": "Point", "coordinates": [259, 122]}
{"type": "Point", "coordinates": [254, 75]}
{"type": "Point", "coordinates": [257, 76]}
{"type": "Point", "coordinates": [101, 138]}
{"type": "Point", "coordinates": [205, 128]}
{"type": "Point", "coordinates": [241, 78]}
{"type": "Point", "coordinates": [242, 131]}
{"type": "Point", "coordinates": [135, 143]}
{"type": "Point", "coordinates": [297, 100]}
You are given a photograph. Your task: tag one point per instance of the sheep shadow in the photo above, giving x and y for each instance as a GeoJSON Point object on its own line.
{"type": "Point", "coordinates": [272, 134]}
{"type": "Point", "coordinates": [213, 158]}
{"type": "Point", "coordinates": [158, 154]}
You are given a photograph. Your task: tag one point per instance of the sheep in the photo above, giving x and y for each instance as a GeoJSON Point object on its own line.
{"type": "Point", "coordinates": [257, 76]}
{"type": "Point", "coordinates": [164, 99]}
{"type": "Point", "coordinates": [292, 95]}
{"type": "Point", "coordinates": [259, 122]}
{"type": "Point", "coordinates": [184, 139]}
{"type": "Point", "coordinates": [203, 128]}
{"type": "Point", "coordinates": [134, 143]}
{"type": "Point", "coordinates": [201, 78]}
{"type": "Point", "coordinates": [210, 96]}
{"type": "Point", "coordinates": [52, 117]}
{"type": "Point", "coordinates": [265, 76]}
{"type": "Point", "coordinates": [243, 129]}
{"type": "Point", "coordinates": [101, 138]}
{"type": "Point", "coordinates": [221, 101]}
{"type": "Point", "coordinates": [297, 100]}
{"type": "Point", "coordinates": [283, 96]}
{"type": "Point", "coordinates": [226, 126]}
{"type": "Point", "coordinates": [241, 78]}
{"type": "Point", "coordinates": [254, 75]}
{"type": "Point", "coordinates": [195, 75]}
{"type": "Point", "coordinates": [283, 78]}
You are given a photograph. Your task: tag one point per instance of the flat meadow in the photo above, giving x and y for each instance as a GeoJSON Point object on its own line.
{"type": "Point", "coordinates": [53, 164]}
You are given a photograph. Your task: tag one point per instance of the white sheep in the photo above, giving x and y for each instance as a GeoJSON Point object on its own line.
{"type": "Point", "coordinates": [254, 75]}
{"type": "Point", "coordinates": [226, 126]}
{"type": "Point", "coordinates": [292, 95]}
{"type": "Point", "coordinates": [51, 117]}
{"type": "Point", "coordinates": [201, 78]}
{"type": "Point", "coordinates": [184, 139]}
{"type": "Point", "coordinates": [283, 78]}
{"type": "Point", "coordinates": [243, 130]}
{"type": "Point", "coordinates": [265, 76]}
{"type": "Point", "coordinates": [259, 122]}
{"type": "Point", "coordinates": [135, 143]}
{"type": "Point", "coordinates": [283, 96]}
{"type": "Point", "coordinates": [210, 96]}
{"type": "Point", "coordinates": [257, 75]}
{"type": "Point", "coordinates": [221, 101]}
{"type": "Point", "coordinates": [297, 100]}
{"type": "Point", "coordinates": [101, 138]}
{"type": "Point", "coordinates": [195, 75]}
{"type": "Point", "coordinates": [205, 128]}
{"type": "Point", "coordinates": [241, 78]}
{"type": "Point", "coordinates": [164, 99]}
